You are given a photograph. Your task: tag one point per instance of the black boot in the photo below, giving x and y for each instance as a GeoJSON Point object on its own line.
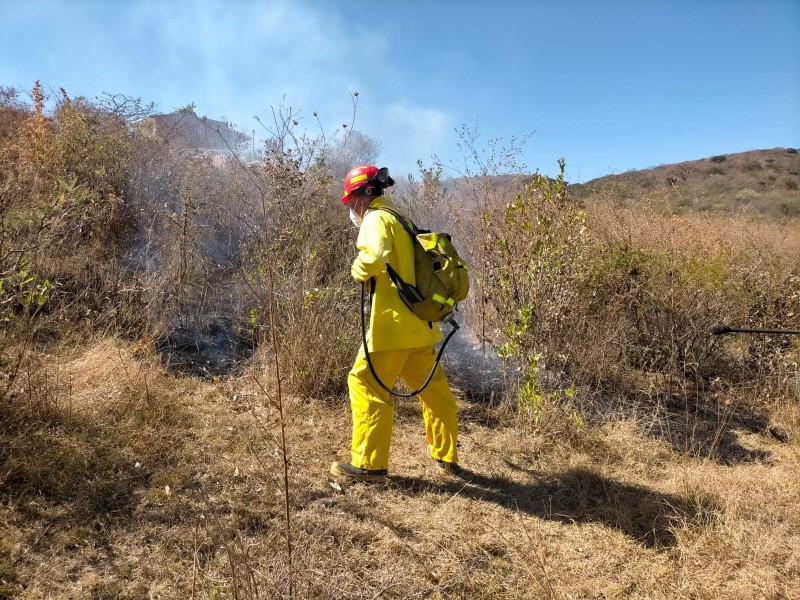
{"type": "Point", "coordinates": [347, 471]}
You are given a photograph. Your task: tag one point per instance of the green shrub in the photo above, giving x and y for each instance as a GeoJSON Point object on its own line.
{"type": "Point", "coordinates": [535, 269]}
{"type": "Point", "coordinates": [746, 194]}
{"type": "Point", "coordinates": [790, 209]}
{"type": "Point", "coordinates": [718, 159]}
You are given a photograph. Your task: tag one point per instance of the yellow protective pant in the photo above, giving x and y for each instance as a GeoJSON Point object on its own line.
{"type": "Point", "coordinates": [373, 407]}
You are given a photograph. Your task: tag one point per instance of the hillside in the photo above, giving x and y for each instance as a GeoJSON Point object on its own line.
{"type": "Point", "coordinates": [184, 129]}
{"type": "Point", "coordinates": [759, 182]}
{"type": "Point", "coordinates": [175, 338]}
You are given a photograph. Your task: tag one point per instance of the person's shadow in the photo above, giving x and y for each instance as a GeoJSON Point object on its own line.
{"type": "Point", "coordinates": [582, 496]}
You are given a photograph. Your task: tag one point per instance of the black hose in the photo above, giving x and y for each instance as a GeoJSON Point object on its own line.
{"type": "Point", "coordinates": [724, 329]}
{"type": "Point", "coordinates": [369, 361]}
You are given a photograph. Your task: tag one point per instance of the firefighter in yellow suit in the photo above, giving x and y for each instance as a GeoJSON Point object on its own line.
{"type": "Point", "coordinates": [400, 344]}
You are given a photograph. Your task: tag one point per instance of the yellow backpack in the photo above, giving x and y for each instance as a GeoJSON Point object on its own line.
{"type": "Point", "coordinates": [440, 273]}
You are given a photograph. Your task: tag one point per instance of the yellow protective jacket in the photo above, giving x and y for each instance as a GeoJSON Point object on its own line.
{"type": "Point", "coordinates": [381, 240]}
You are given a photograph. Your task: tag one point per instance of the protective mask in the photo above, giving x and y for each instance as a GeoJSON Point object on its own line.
{"type": "Point", "coordinates": [355, 218]}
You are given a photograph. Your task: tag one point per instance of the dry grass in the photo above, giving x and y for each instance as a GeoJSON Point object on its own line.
{"type": "Point", "coordinates": [615, 512]}
{"type": "Point", "coordinates": [649, 227]}
{"type": "Point", "coordinates": [759, 183]}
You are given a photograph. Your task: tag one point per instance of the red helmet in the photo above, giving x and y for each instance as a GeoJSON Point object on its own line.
{"type": "Point", "coordinates": [357, 178]}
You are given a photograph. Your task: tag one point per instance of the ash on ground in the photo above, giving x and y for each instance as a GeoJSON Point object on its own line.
{"type": "Point", "coordinates": [205, 350]}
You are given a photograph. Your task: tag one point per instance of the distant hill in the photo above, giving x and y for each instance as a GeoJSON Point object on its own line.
{"type": "Point", "coordinates": [186, 130]}
{"type": "Point", "coordinates": [765, 182]}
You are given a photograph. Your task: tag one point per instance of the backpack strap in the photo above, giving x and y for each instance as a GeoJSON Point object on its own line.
{"type": "Point", "coordinates": [412, 230]}
{"type": "Point", "coordinates": [407, 291]}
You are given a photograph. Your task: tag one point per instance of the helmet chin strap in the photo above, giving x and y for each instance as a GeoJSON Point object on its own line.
{"type": "Point", "coordinates": [361, 202]}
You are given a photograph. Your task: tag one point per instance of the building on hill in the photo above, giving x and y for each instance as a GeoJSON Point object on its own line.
{"type": "Point", "coordinates": [184, 129]}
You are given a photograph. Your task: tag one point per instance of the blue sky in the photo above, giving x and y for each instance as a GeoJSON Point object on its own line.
{"type": "Point", "coordinates": [610, 86]}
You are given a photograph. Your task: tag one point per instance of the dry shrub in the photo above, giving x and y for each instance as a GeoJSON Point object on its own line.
{"type": "Point", "coordinates": [62, 210]}
{"type": "Point", "coordinates": [106, 227]}
{"type": "Point", "coordinates": [320, 338]}
{"type": "Point", "coordinates": [296, 268]}
{"type": "Point", "coordinates": [259, 247]}
{"type": "Point", "coordinates": [535, 269]}
{"type": "Point", "coordinates": [70, 176]}
{"type": "Point", "coordinates": [618, 302]}
{"type": "Point", "coordinates": [687, 273]}
{"type": "Point", "coordinates": [593, 295]}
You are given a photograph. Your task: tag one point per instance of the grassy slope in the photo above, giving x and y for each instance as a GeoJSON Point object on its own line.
{"type": "Point", "coordinates": [618, 511]}
{"type": "Point", "coordinates": [760, 182]}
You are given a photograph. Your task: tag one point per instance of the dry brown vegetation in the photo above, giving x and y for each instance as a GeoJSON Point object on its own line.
{"type": "Point", "coordinates": [175, 338]}
{"type": "Point", "coordinates": [759, 183]}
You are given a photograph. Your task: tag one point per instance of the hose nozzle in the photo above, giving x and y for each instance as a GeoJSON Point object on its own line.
{"type": "Point", "coordinates": [723, 329]}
